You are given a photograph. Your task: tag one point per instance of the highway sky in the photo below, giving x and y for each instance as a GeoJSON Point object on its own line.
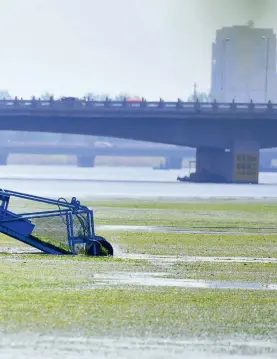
{"type": "Point", "coordinates": [150, 48]}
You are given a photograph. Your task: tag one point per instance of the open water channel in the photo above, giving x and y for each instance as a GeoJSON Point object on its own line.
{"type": "Point", "coordinates": [124, 182]}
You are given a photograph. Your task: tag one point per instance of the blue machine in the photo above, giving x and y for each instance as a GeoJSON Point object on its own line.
{"type": "Point", "coordinates": [59, 227]}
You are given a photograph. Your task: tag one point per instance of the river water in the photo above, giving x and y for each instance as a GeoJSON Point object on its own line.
{"type": "Point", "coordinates": [124, 182]}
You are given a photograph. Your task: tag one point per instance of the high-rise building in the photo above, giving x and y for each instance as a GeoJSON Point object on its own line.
{"type": "Point", "coordinates": [244, 65]}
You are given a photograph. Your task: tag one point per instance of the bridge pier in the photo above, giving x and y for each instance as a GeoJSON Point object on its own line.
{"type": "Point", "coordinates": [4, 159]}
{"type": "Point", "coordinates": [265, 162]}
{"type": "Point", "coordinates": [86, 161]}
{"type": "Point", "coordinates": [213, 165]}
{"type": "Point", "coordinates": [173, 163]}
{"type": "Point", "coordinates": [245, 162]}
{"type": "Point", "coordinates": [238, 165]}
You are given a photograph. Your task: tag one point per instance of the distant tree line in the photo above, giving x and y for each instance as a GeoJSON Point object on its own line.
{"type": "Point", "coordinates": [4, 94]}
{"type": "Point", "coordinates": [196, 95]}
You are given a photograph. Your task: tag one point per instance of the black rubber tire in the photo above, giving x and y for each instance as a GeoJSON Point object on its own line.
{"type": "Point", "coordinates": [99, 247]}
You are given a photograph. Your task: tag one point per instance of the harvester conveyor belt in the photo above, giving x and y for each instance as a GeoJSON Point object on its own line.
{"type": "Point", "coordinates": [76, 227]}
{"type": "Point", "coordinates": [35, 242]}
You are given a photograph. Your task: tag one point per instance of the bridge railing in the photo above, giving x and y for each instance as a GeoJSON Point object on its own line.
{"type": "Point", "coordinates": [88, 105]}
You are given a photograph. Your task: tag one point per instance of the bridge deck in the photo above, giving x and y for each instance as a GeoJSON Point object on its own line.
{"type": "Point", "coordinates": [190, 124]}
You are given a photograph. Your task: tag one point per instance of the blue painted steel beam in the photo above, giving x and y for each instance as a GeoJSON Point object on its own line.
{"type": "Point", "coordinates": [34, 242]}
{"type": "Point", "coordinates": [40, 199]}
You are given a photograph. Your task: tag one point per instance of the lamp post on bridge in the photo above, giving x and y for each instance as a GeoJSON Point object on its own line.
{"type": "Point", "coordinates": [267, 39]}
{"type": "Point", "coordinates": [223, 66]}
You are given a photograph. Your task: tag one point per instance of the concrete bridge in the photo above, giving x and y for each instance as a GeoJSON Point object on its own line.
{"type": "Point", "coordinates": [86, 154]}
{"type": "Point", "coordinates": [227, 137]}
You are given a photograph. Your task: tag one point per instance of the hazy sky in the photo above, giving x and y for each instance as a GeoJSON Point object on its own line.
{"type": "Point", "coordinates": [153, 48]}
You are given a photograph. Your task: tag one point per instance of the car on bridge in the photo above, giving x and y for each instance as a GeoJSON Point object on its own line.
{"type": "Point", "coordinates": [133, 100]}
{"type": "Point", "coordinates": [103, 144]}
{"type": "Point", "coordinates": [70, 99]}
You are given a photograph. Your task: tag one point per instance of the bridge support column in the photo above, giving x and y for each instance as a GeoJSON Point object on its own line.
{"type": "Point", "coordinates": [86, 161]}
{"type": "Point", "coordinates": [245, 158]}
{"type": "Point", "coordinates": [265, 162]}
{"type": "Point", "coordinates": [173, 163]}
{"type": "Point", "coordinates": [4, 159]}
{"type": "Point", "coordinates": [239, 165]}
{"type": "Point", "coordinates": [212, 165]}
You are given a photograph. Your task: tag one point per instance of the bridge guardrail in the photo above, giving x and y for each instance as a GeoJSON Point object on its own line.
{"type": "Point", "coordinates": [89, 105]}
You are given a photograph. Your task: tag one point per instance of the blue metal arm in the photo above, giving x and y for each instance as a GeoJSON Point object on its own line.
{"type": "Point", "coordinates": [74, 204]}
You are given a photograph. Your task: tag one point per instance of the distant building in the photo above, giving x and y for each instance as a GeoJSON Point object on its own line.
{"type": "Point", "coordinates": [244, 64]}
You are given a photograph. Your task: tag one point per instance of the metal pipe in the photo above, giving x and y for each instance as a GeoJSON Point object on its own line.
{"type": "Point", "coordinates": [40, 199]}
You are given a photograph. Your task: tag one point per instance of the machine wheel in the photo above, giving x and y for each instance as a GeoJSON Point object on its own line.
{"type": "Point", "coordinates": [99, 247]}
